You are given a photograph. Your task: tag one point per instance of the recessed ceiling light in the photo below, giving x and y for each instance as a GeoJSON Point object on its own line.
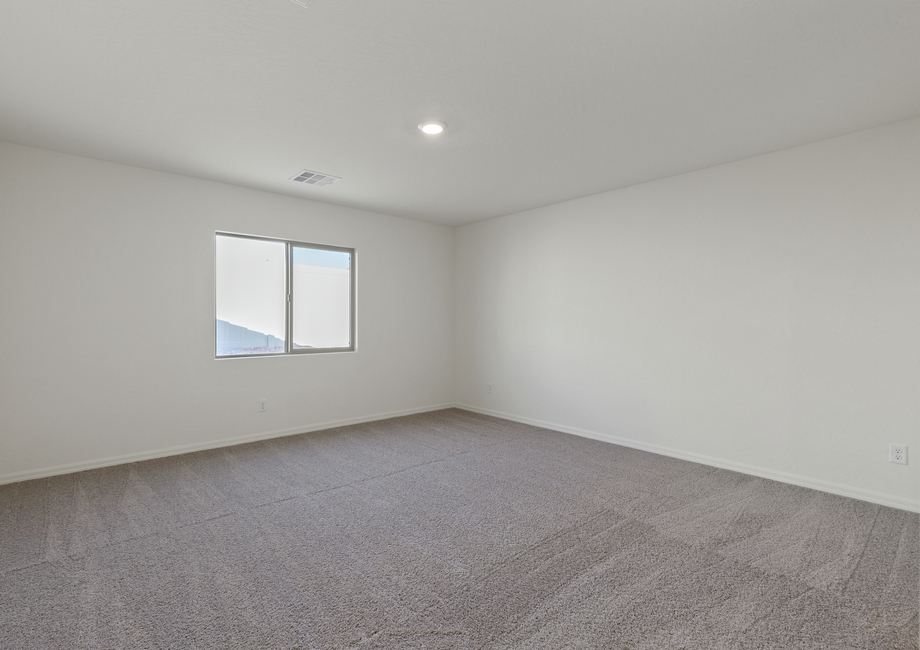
{"type": "Point", "coordinates": [432, 127]}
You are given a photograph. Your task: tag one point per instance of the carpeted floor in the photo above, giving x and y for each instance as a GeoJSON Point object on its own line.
{"type": "Point", "coordinates": [447, 530]}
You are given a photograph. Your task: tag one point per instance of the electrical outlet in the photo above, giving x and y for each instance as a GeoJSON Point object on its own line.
{"type": "Point", "coordinates": [489, 389]}
{"type": "Point", "coordinates": [263, 405]}
{"type": "Point", "coordinates": [897, 453]}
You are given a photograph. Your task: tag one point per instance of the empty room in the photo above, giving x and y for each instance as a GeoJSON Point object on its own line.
{"type": "Point", "coordinates": [337, 324]}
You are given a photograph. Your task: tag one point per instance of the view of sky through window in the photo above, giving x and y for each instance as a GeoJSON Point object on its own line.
{"type": "Point", "coordinates": [319, 257]}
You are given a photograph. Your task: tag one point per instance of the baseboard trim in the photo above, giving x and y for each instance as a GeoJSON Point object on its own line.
{"type": "Point", "coordinates": [70, 468]}
{"type": "Point", "coordinates": [783, 477]}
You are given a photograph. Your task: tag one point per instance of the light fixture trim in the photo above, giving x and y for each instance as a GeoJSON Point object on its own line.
{"type": "Point", "coordinates": [432, 127]}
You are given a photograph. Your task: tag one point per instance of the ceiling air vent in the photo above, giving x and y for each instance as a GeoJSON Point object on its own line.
{"type": "Point", "coordinates": [315, 178]}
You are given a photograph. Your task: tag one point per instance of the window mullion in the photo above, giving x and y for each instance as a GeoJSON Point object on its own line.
{"type": "Point", "coordinates": [288, 305]}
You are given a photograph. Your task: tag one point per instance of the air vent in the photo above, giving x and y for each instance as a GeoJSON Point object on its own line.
{"type": "Point", "coordinates": [315, 178]}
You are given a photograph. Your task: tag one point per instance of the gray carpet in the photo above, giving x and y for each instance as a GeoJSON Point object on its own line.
{"type": "Point", "coordinates": [447, 530]}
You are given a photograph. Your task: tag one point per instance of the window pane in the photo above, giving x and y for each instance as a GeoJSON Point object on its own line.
{"type": "Point", "coordinates": [321, 298]}
{"type": "Point", "coordinates": [250, 296]}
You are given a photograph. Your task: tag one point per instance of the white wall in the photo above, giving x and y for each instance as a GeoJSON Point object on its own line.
{"type": "Point", "coordinates": [762, 315]}
{"type": "Point", "coordinates": [88, 246]}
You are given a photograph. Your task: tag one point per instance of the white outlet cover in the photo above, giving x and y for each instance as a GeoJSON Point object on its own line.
{"type": "Point", "coordinates": [897, 453]}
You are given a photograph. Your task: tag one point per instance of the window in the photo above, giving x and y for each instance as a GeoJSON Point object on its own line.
{"type": "Point", "coordinates": [283, 297]}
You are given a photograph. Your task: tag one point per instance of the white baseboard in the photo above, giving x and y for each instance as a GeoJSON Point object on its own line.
{"type": "Point", "coordinates": [783, 477]}
{"type": "Point", "coordinates": [70, 468]}
{"type": "Point", "coordinates": [871, 496]}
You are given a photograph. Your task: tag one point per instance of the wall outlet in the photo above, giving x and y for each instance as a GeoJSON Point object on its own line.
{"type": "Point", "coordinates": [263, 405]}
{"type": "Point", "coordinates": [489, 389]}
{"type": "Point", "coordinates": [897, 453]}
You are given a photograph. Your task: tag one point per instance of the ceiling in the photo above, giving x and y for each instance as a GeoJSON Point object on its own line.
{"type": "Point", "coordinates": [544, 101]}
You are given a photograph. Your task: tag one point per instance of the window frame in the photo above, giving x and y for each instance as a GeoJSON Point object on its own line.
{"type": "Point", "coordinates": [289, 246]}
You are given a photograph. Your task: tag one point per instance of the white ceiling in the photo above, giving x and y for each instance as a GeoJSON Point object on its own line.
{"type": "Point", "coordinates": [544, 101]}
